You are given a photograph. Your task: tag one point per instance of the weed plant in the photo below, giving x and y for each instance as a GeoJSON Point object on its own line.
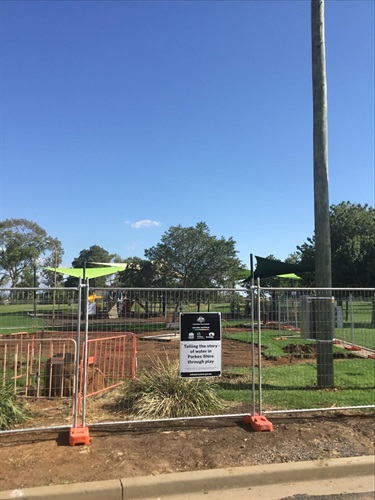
{"type": "Point", "coordinates": [13, 409]}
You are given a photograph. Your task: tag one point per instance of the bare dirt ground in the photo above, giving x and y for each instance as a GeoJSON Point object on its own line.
{"type": "Point", "coordinates": [44, 457]}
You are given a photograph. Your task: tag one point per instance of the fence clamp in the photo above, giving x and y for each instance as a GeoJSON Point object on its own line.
{"type": "Point", "coordinates": [79, 435]}
{"type": "Point", "coordinates": [258, 423]}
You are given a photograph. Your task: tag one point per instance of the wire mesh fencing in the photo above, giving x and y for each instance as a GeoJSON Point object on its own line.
{"type": "Point", "coordinates": [110, 360]}
{"type": "Point", "coordinates": [38, 368]}
{"type": "Point", "coordinates": [281, 349]}
{"type": "Point", "coordinates": [153, 316]}
{"type": "Point", "coordinates": [318, 349]}
{"type": "Point", "coordinates": [38, 310]}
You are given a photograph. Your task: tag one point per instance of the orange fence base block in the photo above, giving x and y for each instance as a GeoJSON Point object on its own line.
{"type": "Point", "coordinates": [258, 423]}
{"type": "Point", "coordinates": [79, 435]}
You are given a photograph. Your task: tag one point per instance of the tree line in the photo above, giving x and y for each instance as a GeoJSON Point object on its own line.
{"type": "Point", "coordinates": [188, 257]}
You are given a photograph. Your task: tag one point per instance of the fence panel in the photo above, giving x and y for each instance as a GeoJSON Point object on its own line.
{"type": "Point", "coordinates": [318, 348]}
{"type": "Point", "coordinates": [38, 310]}
{"type": "Point", "coordinates": [274, 348]}
{"type": "Point", "coordinates": [110, 361]}
{"type": "Point", "coordinates": [154, 315]}
{"type": "Point", "coordinates": [39, 367]}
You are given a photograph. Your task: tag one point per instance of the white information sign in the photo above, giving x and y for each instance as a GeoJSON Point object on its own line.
{"type": "Point", "coordinates": [200, 345]}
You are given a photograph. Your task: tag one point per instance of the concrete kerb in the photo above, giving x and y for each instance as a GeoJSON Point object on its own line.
{"type": "Point", "coordinates": [201, 481]}
{"type": "Point", "coordinates": [96, 490]}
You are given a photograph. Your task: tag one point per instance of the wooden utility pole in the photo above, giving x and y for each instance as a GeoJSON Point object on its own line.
{"type": "Point", "coordinates": [322, 305]}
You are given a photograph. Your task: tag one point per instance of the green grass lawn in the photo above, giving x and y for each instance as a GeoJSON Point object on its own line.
{"type": "Point", "coordinates": [272, 348]}
{"type": "Point", "coordinates": [294, 386]}
{"type": "Point", "coordinates": [362, 336]}
{"type": "Point", "coordinates": [20, 317]}
{"type": "Point", "coordinates": [19, 322]}
{"type": "Point", "coordinates": [273, 343]}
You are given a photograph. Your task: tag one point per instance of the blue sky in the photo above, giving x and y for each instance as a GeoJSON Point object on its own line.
{"type": "Point", "coordinates": [120, 119]}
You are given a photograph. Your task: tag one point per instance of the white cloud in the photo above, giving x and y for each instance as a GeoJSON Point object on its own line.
{"type": "Point", "coordinates": [145, 223]}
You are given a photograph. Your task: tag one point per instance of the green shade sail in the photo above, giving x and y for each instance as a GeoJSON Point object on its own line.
{"type": "Point", "coordinates": [290, 276]}
{"type": "Point", "coordinates": [267, 268]}
{"type": "Point", "coordinates": [90, 272]}
{"type": "Point", "coordinates": [245, 274]}
{"type": "Point", "coordinates": [123, 265]}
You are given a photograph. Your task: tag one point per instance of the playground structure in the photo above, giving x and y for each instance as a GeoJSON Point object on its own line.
{"type": "Point", "coordinates": [94, 304]}
{"type": "Point", "coordinates": [120, 305]}
{"type": "Point", "coordinates": [112, 305]}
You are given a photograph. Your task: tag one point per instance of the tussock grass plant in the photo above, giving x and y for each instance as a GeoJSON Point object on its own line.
{"type": "Point", "coordinates": [159, 392]}
{"type": "Point", "coordinates": [13, 409]}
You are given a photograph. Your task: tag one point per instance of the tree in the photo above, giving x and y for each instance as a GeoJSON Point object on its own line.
{"type": "Point", "coordinates": [29, 278]}
{"type": "Point", "coordinates": [323, 274]}
{"type": "Point", "coordinates": [352, 245]}
{"type": "Point", "coordinates": [306, 256]}
{"type": "Point", "coordinates": [140, 273]}
{"type": "Point", "coordinates": [87, 258]}
{"type": "Point", "coordinates": [191, 257]}
{"type": "Point", "coordinates": [23, 246]}
{"type": "Point", "coordinates": [353, 241]}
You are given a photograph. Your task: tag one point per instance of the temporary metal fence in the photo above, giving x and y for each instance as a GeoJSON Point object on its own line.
{"type": "Point", "coordinates": [38, 367]}
{"type": "Point", "coordinates": [283, 349]}
{"type": "Point", "coordinates": [110, 361]}
{"type": "Point", "coordinates": [318, 349]}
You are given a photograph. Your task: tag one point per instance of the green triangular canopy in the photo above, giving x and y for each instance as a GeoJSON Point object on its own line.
{"type": "Point", "coordinates": [123, 265]}
{"type": "Point", "coordinates": [268, 267]}
{"type": "Point", "coordinates": [289, 276]}
{"type": "Point", "coordinates": [246, 274]}
{"type": "Point", "coordinates": [90, 272]}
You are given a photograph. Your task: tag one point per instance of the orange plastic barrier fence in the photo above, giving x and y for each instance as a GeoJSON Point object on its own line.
{"type": "Point", "coordinates": [110, 360]}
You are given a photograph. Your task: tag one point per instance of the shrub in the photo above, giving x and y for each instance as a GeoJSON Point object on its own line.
{"type": "Point", "coordinates": [159, 392]}
{"type": "Point", "coordinates": [13, 409]}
